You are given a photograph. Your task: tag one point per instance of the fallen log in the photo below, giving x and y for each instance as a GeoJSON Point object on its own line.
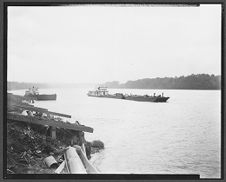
{"type": "Point", "coordinates": [90, 169]}
{"type": "Point", "coordinates": [39, 109]}
{"type": "Point", "coordinates": [60, 168]}
{"type": "Point", "coordinates": [34, 120]}
{"type": "Point", "coordinates": [73, 162]}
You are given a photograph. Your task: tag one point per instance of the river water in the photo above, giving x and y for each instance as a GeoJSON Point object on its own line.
{"type": "Point", "coordinates": [181, 136]}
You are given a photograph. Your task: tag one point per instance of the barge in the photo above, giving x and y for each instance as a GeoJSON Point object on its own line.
{"type": "Point", "coordinates": [103, 93]}
{"type": "Point", "coordinates": [33, 93]}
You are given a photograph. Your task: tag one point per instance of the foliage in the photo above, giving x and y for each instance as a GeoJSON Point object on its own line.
{"type": "Point", "coordinates": [199, 81]}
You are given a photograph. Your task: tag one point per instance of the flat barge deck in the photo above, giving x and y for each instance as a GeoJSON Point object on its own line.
{"type": "Point", "coordinates": [102, 92]}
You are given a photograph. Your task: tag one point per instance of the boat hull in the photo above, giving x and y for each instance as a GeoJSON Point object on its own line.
{"type": "Point", "coordinates": [42, 97]}
{"type": "Point", "coordinates": [134, 98]}
{"type": "Point", "coordinates": [46, 97]}
{"type": "Point", "coordinates": [147, 99]}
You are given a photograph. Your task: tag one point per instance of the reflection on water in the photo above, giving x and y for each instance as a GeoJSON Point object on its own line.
{"type": "Point", "coordinates": [180, 136]}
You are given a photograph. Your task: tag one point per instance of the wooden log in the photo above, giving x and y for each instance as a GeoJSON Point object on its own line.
{"type": "Point", "coordinates": [59, 114]}
{"type": "Point", "coordinates": [39, 109]}
{"type": "Point", "coordinates": [40, 121]}
{"type": "Point", "coordinates": [60, 168]}
{"type": "Point", "coordinates": [90, 169]}
{"type": "Point", "coordinates": [73, 162]}
{"type": "Point", "coordinates": [83, 148]}
{"type": "Point", "coordinates": [30, 108]}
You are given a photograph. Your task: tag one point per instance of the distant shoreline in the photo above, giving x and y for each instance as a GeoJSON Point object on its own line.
{"type": "Point", "coordinates": [190, 82]}
{"type": "Point", "coordinates": [23, 85]}
{"type": "Point", "coordinates": [124, 88]}
{"type": "Point", "coordinates": [163, 88]}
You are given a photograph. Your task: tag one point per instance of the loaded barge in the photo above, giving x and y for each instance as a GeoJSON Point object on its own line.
{"type": "Point", "coordinates": [103, 92]}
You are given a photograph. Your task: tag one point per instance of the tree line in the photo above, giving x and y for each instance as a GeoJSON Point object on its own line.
{"type": "Point", "coordinates": [194, 81]}
{"type": "Point", "coordinates": [12, 85]}
{"type": "Point", "coordinates": [198, 81]}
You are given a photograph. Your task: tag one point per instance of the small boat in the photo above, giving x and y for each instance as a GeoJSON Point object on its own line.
{"type": "Point", "coordinates": [33, 93]}
{"type": "Point", "coordinates": [103, 92]}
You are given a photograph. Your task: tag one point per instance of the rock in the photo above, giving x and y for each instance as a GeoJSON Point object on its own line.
{"type": "Point", "coordinates": [97, 144]}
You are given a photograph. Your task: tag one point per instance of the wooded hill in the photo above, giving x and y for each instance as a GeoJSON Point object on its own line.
{"type": "Point", "coordinates": [198, 81]}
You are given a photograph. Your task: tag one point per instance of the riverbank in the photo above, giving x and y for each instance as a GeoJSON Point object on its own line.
{"type": "Point", "coordinates": [33, 138]}
{"type": "Point", "coordinates": [28, 146]}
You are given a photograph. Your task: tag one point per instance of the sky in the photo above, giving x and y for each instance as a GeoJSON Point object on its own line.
{"type": "Point", "coordinates": [100, 43]}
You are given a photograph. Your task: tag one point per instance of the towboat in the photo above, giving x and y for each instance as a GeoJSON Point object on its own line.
{"type": "Point", "coordinates": [103, 92]}
{"type": "Point", "coordinates": [33, 93]}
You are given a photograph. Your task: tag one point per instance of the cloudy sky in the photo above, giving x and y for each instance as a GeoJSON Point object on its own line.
{"type": "Point", "coordinates": [95, 43]}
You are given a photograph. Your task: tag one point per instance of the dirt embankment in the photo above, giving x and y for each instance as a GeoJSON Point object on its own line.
{"type": "Point", "coordinates": [29, 144]}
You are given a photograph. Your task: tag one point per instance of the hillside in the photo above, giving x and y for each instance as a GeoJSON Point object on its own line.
{"type": "Point", "coordinates": [199, 81]}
